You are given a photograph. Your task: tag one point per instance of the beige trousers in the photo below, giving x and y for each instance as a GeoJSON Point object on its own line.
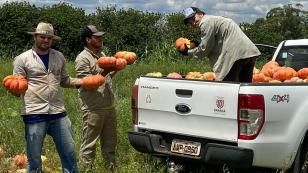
{"type": "Point", "coordinates": [99, 125]}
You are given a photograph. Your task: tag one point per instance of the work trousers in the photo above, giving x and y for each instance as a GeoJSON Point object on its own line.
{"type": "Point", "coordinates": [99, 125]}
{"type": "Point", "coordinates": [241, 71]}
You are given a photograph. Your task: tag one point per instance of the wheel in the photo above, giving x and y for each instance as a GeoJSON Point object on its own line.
{"type": "Point", "coordinates": [304, 160]}
{"type": "Point", "coordinates": [300, 164]}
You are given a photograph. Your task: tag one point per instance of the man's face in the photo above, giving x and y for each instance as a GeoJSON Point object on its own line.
{"type": "Point", "coordinates": [43, 42]}
{"type": "Point", "coordinates": [96, 41]}
{"type": "Point", "coordinates": [194, 21]}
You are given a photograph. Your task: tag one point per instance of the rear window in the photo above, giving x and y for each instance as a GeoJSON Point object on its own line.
{"type": "Point", "coordinates": [293, 56]}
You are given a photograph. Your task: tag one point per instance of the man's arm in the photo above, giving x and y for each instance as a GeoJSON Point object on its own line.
{"type": "Point", "coordinates": [207, 41]}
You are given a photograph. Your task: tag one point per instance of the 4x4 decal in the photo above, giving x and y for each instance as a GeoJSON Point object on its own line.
{"type": "Point", "coordinates": [281, 98]}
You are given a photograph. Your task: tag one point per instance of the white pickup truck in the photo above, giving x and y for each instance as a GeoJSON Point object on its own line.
{"type": "Point", "coordinates": [241, 125]}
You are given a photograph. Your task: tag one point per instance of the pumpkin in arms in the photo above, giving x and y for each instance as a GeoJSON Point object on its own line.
{"type": "Point", "coordinates": [130, 57]}
{"type": "Point", "coordinates": [181, 42]}
{"type": "Point", "coordinates": [174, 75]}
{"type": "Point", "coordinates": [16, 84]}
{"type": "Point", "coordinates": [120, 64]}
{"type": "Point", "coordinates": [92, 81]}
{"type": "Point", "coordinates": [106, 62]}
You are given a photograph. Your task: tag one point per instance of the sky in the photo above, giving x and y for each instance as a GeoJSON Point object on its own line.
{"type": "Point", "coordinates": [239, 10]}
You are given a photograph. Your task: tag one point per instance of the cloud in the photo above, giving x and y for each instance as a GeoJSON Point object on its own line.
{"type": "Point", "coordinates": [239, 10]}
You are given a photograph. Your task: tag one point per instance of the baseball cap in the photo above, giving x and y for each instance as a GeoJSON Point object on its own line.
{"type": "Point", "coordinates": [92, 30]}
{"type": "Point", "coordinates": [190, 12]}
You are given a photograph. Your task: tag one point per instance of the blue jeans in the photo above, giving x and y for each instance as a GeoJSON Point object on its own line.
{"type": "Point", "coordinates": [60, 131]}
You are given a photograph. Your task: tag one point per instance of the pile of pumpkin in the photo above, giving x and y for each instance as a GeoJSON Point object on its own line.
{"type": "Point", "coordinates": [189, 75]}
{"type": "Point", "coordinates": [272, 72]}
{"type": "Point", "coordinates": [18, 84]}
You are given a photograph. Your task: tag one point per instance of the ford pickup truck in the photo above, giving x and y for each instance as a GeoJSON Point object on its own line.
{"type": "Point", "coordinates": [238, 125]}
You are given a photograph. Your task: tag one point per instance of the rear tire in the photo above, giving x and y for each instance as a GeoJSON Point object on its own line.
{"type": "Point", "coordinates": [300, 164]}
{"type": "Point", "coordinates": [304, 164]}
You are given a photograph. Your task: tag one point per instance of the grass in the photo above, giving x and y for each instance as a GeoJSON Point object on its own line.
{"type": "Point", "coordinates": [128, 160]}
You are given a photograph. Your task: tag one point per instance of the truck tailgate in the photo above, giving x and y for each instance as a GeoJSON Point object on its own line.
{"type": "Point", "coordinates": [200, 108]}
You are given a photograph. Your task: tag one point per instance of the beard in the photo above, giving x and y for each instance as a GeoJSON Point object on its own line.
{"type": "Point", "coordinates": [97, 45]}
{"type": "Point", "coordinates": [43, 46]}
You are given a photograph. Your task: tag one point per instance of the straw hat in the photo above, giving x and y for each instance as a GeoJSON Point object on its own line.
{"type": "Point", "coordinates": [45, 29]}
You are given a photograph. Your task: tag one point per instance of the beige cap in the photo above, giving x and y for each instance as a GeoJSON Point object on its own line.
{"type": "Point", "coordinates": [45, 29]}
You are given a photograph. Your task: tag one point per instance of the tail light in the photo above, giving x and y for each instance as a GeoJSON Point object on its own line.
{"type": "Point", "coordinates": [134, 96]}
{"type": "Point", "coordinates": [251, 116]}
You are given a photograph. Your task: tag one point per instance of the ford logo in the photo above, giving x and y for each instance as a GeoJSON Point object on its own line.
{"type": "Point", "coordinates": [182, 108]}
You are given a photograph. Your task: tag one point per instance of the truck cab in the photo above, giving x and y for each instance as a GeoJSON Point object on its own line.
{"type": "Point", "coordinates": [292, 53]}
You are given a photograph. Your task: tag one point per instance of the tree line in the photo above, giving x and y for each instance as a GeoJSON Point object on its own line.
{"type": "Point", "coordinates": [128, 29]}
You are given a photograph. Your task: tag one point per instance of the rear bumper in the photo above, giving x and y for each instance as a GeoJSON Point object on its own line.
{"type": "Point", "coordinates": [212, 153]}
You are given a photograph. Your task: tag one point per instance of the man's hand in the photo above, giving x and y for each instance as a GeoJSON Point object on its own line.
{"type": "Point", "coordinates": [113, 73]}
{"type": "Point", "coordinates": [14, 94]}
{"type": "Point", "coordinates": [194, 43]}
{"type": "Point", "coordinates": [78, 83]}
{"type": "Point", "coordinates": [110, 71]}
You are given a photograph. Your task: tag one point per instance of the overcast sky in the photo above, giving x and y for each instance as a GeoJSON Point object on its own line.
{"type": "Point", "coordinates": [239, 10]}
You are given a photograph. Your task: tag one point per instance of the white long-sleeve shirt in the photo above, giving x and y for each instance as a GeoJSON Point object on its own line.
{"type": "Point", "coordinates": [44, 92]}
{"type": "Point", "coordinates": [222, 42]}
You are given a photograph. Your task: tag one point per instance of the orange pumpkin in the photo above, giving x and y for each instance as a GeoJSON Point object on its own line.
{"type": "Point", "coordinates": [267, 68]}
{"type": "Point", "coordinates": [106, 62]}
{"type": "Point", "coordinates": [120, 64]}
{"type": "Point", "coordinates": [194, 75]}
{"type": "Point", "coordinates": [275, 69]}
{"type": "Point", "coordinates": [209, 76]}
{"type": "Point", "coordinates": [271, 64]}
{"type": "Point", "coordinates": [120, 54]}
{"type": "Point", "coordinates": [174, 75]}
{"type": "Point", "coordinates": [130, 57]}
{"type": "Point", "coordinates": [20, 161]}
{"type": "Point", "coordinates": [181, 42]}
{"type": "Point", "coordinates": [16, 84]}
{"type": "Point", "coordinates": [267, 79]}
{"type": "Point", "coordinates": [256, 78]}
{"type": "Point", "coordinates": [303, 73]}
{"type": "Point", "coordinates": [92, 81]}
{"type": "Point", "coordinates": [285, 73]}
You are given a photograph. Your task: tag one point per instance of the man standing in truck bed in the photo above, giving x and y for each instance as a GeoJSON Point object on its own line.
{"type": "Point", "coordinates": [230, 52]}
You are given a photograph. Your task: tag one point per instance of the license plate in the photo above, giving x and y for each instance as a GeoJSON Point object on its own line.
{"type": "Point", "coordinates": [186, 147]}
